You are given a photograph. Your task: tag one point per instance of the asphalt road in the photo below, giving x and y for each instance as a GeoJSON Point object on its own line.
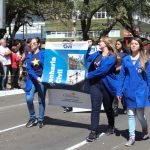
{"type": "Point", "coordinates": [62, 131]}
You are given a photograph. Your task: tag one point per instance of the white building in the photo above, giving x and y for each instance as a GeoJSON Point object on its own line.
{"type": "Point", "coordinates": [27, 31]}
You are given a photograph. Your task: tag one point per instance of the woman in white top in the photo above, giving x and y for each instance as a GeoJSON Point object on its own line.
{"type": "Point", "coordinates": [6, 61]}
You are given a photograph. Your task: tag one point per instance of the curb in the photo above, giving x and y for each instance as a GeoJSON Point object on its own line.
{"type": "Point", "coordinates": [11, 92]}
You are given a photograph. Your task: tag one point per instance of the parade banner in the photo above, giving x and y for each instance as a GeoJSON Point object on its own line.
{"type": "Point", "coordinates": [64, 73]}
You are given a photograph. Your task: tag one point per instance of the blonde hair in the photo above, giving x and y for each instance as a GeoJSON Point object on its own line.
{"type": "Point", "coordinates": [109, 44]}
{"type": "Point", "coordinates": [143, 56]}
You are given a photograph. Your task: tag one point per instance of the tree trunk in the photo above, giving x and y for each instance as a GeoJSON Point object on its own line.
{"type": "Point", "coordinates": [15, 29]}
{"type": "Point", "coordinates": [85, 25]}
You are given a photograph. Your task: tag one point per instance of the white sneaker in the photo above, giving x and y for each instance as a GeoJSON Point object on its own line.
{"type": "Point", "coordinates": [130, 142]}
{"type": "Point", "coordinates": [145, 136]}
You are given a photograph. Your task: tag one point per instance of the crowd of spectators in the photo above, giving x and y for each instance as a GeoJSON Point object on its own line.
{"type": "Point", "coordinates": [12, 63]}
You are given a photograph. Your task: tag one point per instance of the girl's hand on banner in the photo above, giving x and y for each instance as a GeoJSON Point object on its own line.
{"type": "Point", "coordinates": [119, 98]}
{"type": "Point", "coordinates": [39, 79]}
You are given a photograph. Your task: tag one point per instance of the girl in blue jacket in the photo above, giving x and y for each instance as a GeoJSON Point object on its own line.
{"type": "Point", "coordinates": [102, 81]}
{"type": "Point", "coordinates": [35, 62]}
{"type": "Point", "coordinates": [134, 79]}
{"type": "Point", "coordinates": [122, 52]}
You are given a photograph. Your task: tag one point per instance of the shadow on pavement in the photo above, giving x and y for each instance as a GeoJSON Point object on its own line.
{"type": "Point", "coordinates": [59, 122]}
{"type": "Point", "coordinates": [125, 134]}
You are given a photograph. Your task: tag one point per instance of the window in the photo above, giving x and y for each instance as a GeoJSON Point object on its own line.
{"type": "Point", "coordinates": [100, 14]}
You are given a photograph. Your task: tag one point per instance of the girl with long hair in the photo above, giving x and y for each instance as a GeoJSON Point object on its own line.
{"type": "Point", "coordinates": [134, 82]}
{"type": "Point", "coordinates": [122, 52]}
{"type": "Point", "coordinates": [102, 82]}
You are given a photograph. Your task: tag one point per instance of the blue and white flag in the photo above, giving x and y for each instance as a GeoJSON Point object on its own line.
{"type": "Point", "coordinates": [64, 62]}
{"type": "Point", "coordinates": [64, 72]}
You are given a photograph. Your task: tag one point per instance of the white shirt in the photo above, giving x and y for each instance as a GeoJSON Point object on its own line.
{"type": "Point", "coordinates": [134, 59]}
{"type": "Point", "coordinates": [6, 60]}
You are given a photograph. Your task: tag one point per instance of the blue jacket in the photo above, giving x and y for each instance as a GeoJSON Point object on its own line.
{"type": "Point", "coordinates": [105, 71]}
{"type": "Point", "coordinates": [32, 76]}
{"type": "Point", "coordinates": [134, 82]}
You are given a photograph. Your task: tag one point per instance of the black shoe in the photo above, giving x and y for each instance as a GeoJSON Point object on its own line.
{"type": "Point", "coordinates": [110, 130]}
{"type": "Point", "coordinates": [31, 123]}
{"type": "Point", "coordinates": [116, 113]}
{"type": "Point", "coordinates": [145, 135]}
{"type": "Point", "coordinates": [124, 111]}
{"type": "Point", "coordinates": [67, 109]}
{"type": "Point", "coordinates": [92, 136]}
{"type": "Point", "coordinates": [40, 124]}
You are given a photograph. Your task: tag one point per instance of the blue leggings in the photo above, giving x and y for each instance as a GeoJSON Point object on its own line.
{"type": "Point", "coordinates": [132, 113]}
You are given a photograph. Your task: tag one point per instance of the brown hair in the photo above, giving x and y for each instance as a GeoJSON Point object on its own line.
{"type": "Point", "coordinates": [13, 49]}
{"type": "Point", "coordinates": [143, 57]}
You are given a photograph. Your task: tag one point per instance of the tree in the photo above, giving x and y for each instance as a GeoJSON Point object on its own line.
{"type": "Point", "coordinates": [89, 8]}
{"type": "Point", "coordinates": [20, 13]}
{"type": "Point", "coordinates": [128, 8]}
{"type": "Point", "coordinates": [121, 11]}
{"type": "Point", "coordinates": [51, 10]}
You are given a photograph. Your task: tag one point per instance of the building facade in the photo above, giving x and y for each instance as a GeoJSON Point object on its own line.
{"type": "Point", "coordinates": [57, 31]}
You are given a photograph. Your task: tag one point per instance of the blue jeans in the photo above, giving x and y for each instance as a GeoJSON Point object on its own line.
{"type": "Point", "coordinates": [6, 69]}
{"type": "Point", "coordinates": [132, 113]}
{"type": "Point", "coordinates": [39, 87]}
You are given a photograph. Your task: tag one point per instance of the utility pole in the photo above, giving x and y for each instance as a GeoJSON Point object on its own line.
{"type": "Point", "coordinates": [136, 23]}
{"type": "Point", "coordinates": [74, 19]}
{"type": "Point", "coordinates": [2, 18]}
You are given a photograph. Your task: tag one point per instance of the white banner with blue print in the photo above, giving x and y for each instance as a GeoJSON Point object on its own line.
{"type": "Point", "coordinates": [64, 74]}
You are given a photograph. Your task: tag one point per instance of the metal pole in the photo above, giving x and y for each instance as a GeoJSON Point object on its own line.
{"type": "Point", "coordinates": [26, 31]}
{"type": "Point", "coordinates": [2, 14]}
{"type": "Point", "coordinates": [74, 20]}
{"type": "Point", "coordinates": [23, 31]}
{"type": "Point", "coordinates": [74, 30]}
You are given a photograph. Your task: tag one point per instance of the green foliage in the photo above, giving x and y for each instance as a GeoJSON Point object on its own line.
{"type": "Point", "coordinates": [54, 9]}
{"type": "Point", "coordinates": [121, 11]}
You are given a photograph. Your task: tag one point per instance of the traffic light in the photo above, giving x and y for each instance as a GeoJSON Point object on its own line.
{"type": "Point", "coordinates": [2, 33]}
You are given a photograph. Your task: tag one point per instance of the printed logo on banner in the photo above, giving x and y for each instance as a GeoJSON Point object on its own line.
{"type": "Point", "coordinates": [67, 45]}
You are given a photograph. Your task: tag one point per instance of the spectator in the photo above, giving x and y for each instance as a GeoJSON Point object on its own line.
{"type": "Point", "coordinates": [15, 61]}
{"type": "Point", "coordinates": [26, 51]}
{"type": "Point", "coordinates": [1, 74]}
{"type": "Point", "coordinates": [17, 43]}
{"type": "Point", "coordinates": [6, 61]}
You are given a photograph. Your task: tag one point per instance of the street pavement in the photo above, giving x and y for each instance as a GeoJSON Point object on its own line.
{"type": "Point", "coordinates": [62, 131]}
